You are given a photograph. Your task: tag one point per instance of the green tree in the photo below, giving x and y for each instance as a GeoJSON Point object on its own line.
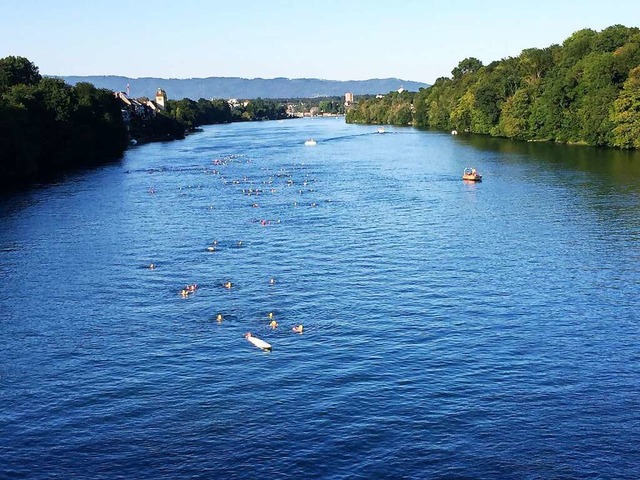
{"type": "Point", "coordinates": [468, 65]}
{"type": "Point", "coordinates": [514, 121]}
{"type": "Point", "coordinates": [17, 71]}
{"type": "Point", "coordinates": [461, 114]}
{"type": "Point", "coordinates": [625, 115]}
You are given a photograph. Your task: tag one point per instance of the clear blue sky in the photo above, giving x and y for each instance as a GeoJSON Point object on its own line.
{"type": "Point", "coordinates": [340, 40]}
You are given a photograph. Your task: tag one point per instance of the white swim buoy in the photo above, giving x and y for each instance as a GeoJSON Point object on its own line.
{"type": "Point", "coordinates": [257, 342]}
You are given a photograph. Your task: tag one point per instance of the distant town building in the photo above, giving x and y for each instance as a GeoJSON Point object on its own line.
{"type": "Point", "coordinates": [130, 107]}
{"type": "Point", "coordinates": [161, 99]}
{"type": "Point", "coordinates": [348, 99]}
{"type": "Point", "coordinates": [401, 89]}
{"type": "Point", "coordinates": [379, 95]}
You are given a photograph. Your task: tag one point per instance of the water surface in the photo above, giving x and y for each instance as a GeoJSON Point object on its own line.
{"type": "Point", "coordinates": [451, 329]}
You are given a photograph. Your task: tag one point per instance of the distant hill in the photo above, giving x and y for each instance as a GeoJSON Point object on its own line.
{"type": "Point", "coordinates": [244, 88]}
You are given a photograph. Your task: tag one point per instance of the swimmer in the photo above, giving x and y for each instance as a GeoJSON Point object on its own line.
{"type": "Point", "coordinates": [219, 318]}
{"type": "Point", "coordinates": [273, 324]}
{"type": "Point", "coordinates": [227, 285]}
{"type": "Point", "coordinates": [272, 281]}
{"type": "Point", "coordinates": [152, 266]}
{"type": "Point", "coordinates": [270, 315]}
{"type": "Point", "coordinates": [297, 329]}
{"type": "Point", "coordinates": [211, 249]}
{"type": "Point", "coordinates": [184, 293]}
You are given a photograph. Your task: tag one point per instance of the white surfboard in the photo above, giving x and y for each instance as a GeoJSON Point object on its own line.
{"type": "Point", "coordinates": [257, 342]}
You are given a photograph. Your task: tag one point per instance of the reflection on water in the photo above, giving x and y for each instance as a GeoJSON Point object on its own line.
{"type": "Point", "coordinates": [622, 166]}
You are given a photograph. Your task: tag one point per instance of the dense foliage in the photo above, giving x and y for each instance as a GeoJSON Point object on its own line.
{"type": "Point", "coordinates": [586, 90]}
{"type": "Point", "coordinates": [192, 114]}
{"type": "Point", "coordinates": [48, 127]}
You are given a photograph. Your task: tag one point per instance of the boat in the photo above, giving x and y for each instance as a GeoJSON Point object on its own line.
{"type": "Point", "coordinates": [310, 143]}
{"type": "Point", "coordinates": [471, 174]}
{"type": "Point", "coordinates": [380, 130]}
{"type": "Point", "coordinates": [257, 342]}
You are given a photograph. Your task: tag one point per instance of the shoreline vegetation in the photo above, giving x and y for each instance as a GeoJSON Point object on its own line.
{"type": "Point", "coordinates": [49, 128]}
{"type": "Point", "coordinates": [584, 92]}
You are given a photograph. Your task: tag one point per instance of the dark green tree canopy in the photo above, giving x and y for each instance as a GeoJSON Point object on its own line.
{"type": "Point", "coordinates": [468, 65]}
{"type": "Point", "coordinates": [48, 127]}
{"type": "Point", "coordinates": [17, 71]}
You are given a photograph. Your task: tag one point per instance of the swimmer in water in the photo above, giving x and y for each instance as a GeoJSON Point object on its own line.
{"type": "Point", "coordinates": [273, 324]}
{"type": "Point", "coordinates": [219, 318]}
{"type": "Point", "coordinates": [152, 266]}
{"type": "Point", "coordinates": [272, 281]}
{"type": "Point", "coordinates": [270, 315]}
{"type": "Point", "coordinates": [228, 285]}
{"type": "Point", "coordinates": [297, 329]}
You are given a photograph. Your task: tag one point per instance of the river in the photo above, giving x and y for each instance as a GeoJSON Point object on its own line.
{"type": "Point", "coordinates": [451, 329]}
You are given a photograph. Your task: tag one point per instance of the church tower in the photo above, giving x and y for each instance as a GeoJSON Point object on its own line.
{"type": "Point", "coordinates": [161, 99]}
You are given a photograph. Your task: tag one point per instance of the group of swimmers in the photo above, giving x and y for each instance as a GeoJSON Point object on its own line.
{"type": "Point", "coordinates": [273, 324]}
{"type": "Point", "coordinates": [191, 288]}
{"type": "Point", "coordinates": [188, 290]}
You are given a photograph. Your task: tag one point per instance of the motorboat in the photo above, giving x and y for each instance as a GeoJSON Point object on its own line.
{"type": "Point", "coordinates": [310, 143]}
{"type": "Point", "coordinates": [471, 174]}
{"type": "Point", "coordinates": [380, 130]}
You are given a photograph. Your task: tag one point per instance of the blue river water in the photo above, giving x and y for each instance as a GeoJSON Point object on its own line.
{"type": "Point", "coordinates": [451, 329]}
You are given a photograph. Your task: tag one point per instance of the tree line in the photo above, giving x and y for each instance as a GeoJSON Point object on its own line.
{"type": "Point", "coordinates": [47, 126]}
{"type": "Point", "coordinates": [585, 91]}
{"type": "Point", "coordinates": [193, 114]}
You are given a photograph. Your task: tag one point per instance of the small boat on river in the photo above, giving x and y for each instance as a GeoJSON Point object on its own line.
{"type": "Point", "coordinates": [471, 174]}
{"type": "Point", "coordinates": [310, 143]}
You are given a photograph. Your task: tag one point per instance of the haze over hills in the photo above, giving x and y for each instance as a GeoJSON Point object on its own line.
{"type": "Point", "coordinates": [245, 88]}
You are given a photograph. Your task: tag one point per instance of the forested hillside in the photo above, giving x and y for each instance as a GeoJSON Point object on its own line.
{"type": "Point", "coordinates": [246, 88]}
{"type": "Point", "coordinates": [586, 91]}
